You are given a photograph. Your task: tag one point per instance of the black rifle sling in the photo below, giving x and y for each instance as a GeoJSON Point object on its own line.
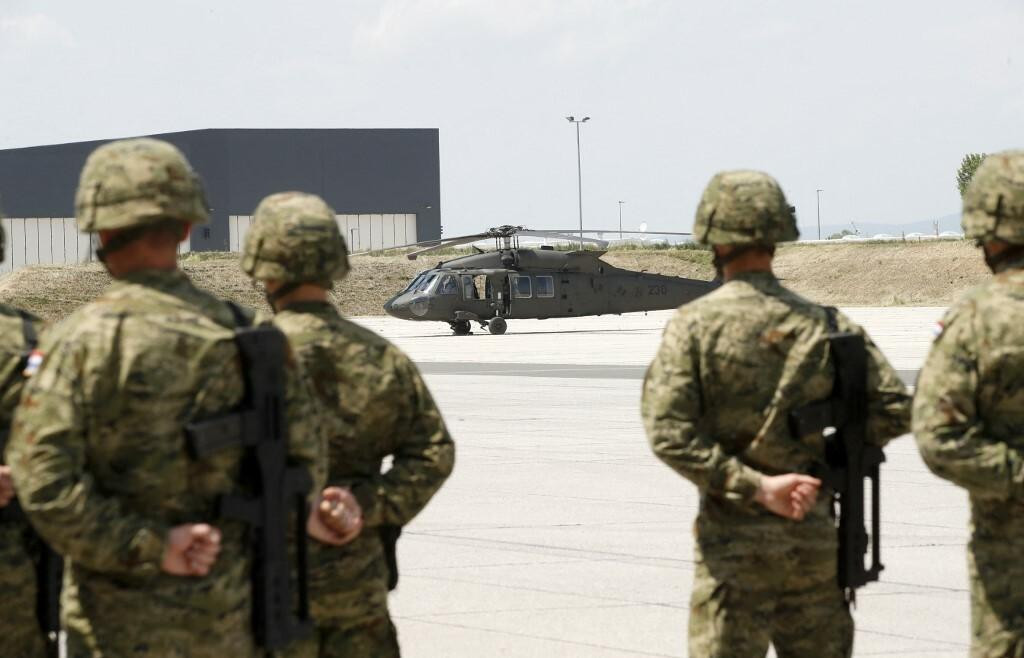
{"type": "Point", "coordinates": [389, 535]}
{"type": "Point", "coordinates": [274, 489]}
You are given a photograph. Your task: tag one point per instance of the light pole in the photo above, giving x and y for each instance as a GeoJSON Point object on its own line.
{"type": "Point", "coordinates": [819, 213]}
{"type": "Point", "coordinates": [620, 219]}
{"type": "Point", "coordinates": [579, 169]}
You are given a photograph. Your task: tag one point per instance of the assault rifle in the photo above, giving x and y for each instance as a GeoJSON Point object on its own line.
{"type": "Point", "coordinates": [260, 425]}
{"type": "Point", "coordinates": [849, 459]}
{"type": "Point", "coordinates": [49, 573]}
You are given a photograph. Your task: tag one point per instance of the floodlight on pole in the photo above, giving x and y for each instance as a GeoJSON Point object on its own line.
{"type": "Point", "coordinates": [579, 169]}
{"type": "Point", "coordinates": [620, 219]}
{"type": "Point", "coordinates": [819, 213]}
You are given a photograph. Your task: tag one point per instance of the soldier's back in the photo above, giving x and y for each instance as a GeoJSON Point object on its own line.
{"type": "Point", "coordinates": [973, 383]}
{"type": "Point", "coordinates": [375, 405]}
{"type": "Point", "coordinates": [119, 379]}
{"type": "Point", "coordinates": [762, 352]}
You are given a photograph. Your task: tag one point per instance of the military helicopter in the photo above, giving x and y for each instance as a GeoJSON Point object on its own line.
{"type": "Point", "coordinates": [513, 282]}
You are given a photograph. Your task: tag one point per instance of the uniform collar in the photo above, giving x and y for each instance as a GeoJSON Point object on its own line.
{"type": "Point", "coordinates": [759, 280]}
{"type": "Point", "coordinates": [322, 309]}
{"type": "Point", "coordinates": [154, 278]}
{"type": "Point", "coordinates": [1011, 264]}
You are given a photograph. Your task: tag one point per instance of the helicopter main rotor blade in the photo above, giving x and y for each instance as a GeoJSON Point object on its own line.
{"type": "Point", "coordinates": [615, 230]}
{"type": "Point", "coordinates": [564, 236]}
{"type": "Point", "coordinates": [448, 242]}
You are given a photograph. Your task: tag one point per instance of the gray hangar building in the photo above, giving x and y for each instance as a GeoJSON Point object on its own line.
{"type": "Point", "coordinates": [383, 183]}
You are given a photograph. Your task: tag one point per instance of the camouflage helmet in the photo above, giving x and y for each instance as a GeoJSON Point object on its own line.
{"type": "Point", "coordinates": [994, 199]}
{"type": "Point", "coordinates": [294, 238]}
{"type": "Point", "coordinates": [137, 182]}
{"type": "Point", "coordinates": [744, 207]}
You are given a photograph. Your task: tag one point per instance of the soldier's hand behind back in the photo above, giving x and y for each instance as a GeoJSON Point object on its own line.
{"type": "Point", "coordinates": [6, 486]}
{"type": "Point", "coordinates": [790, 495]}
{"type": "Point", "coordinates": [191, 549]}
{"type": "Point", "coordinates": [337, 518]}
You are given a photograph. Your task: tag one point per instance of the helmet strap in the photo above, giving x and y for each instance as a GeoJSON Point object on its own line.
{"type": "Point", "coordinates": [996, 262]}
{"type": "Point", "coordinates": [285, 288]}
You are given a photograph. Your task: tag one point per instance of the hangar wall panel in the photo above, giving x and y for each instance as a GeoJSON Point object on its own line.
{"type": "Point", "coordinates": [50, 241]}
{"type": "Point", "coordinates": [44, 241]}
{"type": "Point", "coordinates": [361, 232]}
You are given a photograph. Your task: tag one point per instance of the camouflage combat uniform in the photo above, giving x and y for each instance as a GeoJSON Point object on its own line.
{"type": "Point", "coordinates": [376, 405]}
{"type": "Point", "coordinates": [98, 446]}
{"type": "Point", "coordinates": [716, 399]}
{"type": "Point", "coordinates": [969, 409]}
{"type": "Point", "coordinates": [18, 626]}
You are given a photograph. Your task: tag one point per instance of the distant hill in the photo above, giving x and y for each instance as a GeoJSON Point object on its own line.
{"type": "Point", "coordinates": [809, 231]}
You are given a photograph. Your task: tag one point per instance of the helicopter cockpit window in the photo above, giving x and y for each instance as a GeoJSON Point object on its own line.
{"type": "Point", "coordinates": [521, 287]}
{"type": "Point", "coordinates": [426, 281]}
{"type": "Point", "coordinates": [545, 286]}
{"type": "Point", "coordinates": [448, 286]}
{"type": "Point", "coordinates": [415, 282]}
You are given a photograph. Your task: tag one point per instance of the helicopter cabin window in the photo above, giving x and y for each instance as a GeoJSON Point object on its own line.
{"type": "Point", "coordinates": [521, 287]}
{"type": "Point", "coordinates": [448, 286]}
{"type": "Point", "coordinates": [475, 287]}
{"type": "Point", "coordinates": [545, 286]}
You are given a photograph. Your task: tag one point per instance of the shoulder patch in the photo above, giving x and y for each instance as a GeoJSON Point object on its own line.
{"type": "Point", "coordinates": [937, 329]}
{"type": "Point", "coordinates": [35, 359]}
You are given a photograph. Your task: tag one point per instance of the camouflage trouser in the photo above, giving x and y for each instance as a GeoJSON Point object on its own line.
{"type": "Point", "coordinates": [19, 628]}
{"type": "Point", "coordinates": [744, 600]}
{"type": "Point", "coordinates": [997, 599]}
{"type": "Point", "coordinates": [349, 601]}
{"type": "Point", "coordinates": [367, 637]}
{"type": "Point", "coordinates": [111, 622]}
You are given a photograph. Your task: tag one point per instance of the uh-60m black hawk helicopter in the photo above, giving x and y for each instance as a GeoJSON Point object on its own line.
{"type": "Point", "coordinates": [513, 282]}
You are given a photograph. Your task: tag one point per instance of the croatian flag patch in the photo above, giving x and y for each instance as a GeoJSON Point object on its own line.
{"type": "Point", "coordinates": [35, 359]}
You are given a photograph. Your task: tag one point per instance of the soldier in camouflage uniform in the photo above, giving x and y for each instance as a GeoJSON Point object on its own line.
{"type": "Point", "coordinates": [969, 406]}
{"type": "Point", "coordinates": [98, 451]}
{"type": "Point", "coordinates": [716, 399]}
{"type": "Point", "coordinates": [376, 404]}
{"type": "Point", "coordinates": [18, 545]}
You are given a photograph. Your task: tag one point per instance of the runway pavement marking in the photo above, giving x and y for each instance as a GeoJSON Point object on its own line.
{"type": "Point", "coordinates": [563, 370]}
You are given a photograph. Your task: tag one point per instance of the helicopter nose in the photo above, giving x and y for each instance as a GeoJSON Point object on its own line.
{"type": "Point", "coordinates": [395, 309]}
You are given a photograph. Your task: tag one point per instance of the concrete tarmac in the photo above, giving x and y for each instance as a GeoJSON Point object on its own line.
{"type": "Point", "coordinates": [560, 534]}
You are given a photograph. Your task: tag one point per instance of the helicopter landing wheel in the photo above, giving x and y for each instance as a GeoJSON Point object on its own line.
{"type": "Point", "coordinates": [497, 326]}
{"type": "Point", "coordinates": [460, 327]}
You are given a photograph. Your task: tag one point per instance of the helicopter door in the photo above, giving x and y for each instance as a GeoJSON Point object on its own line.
{"type": "Point", "coordinates": [500, 289]}
{"type": "Point", "coordinates": [478, 295]}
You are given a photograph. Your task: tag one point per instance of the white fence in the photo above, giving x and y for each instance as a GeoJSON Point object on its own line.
{"type": "Point", "coordinates": [48, 241]}
{"type": "Point", "coordinates": [361, 232]}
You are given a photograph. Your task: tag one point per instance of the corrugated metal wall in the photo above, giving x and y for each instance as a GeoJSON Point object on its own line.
{"type": "Point", "coordinates": [361, 232]}
{"type": "Point", "coordinates": [48, 241]}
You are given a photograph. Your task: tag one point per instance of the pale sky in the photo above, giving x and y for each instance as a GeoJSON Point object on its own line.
{"type": "Point", "coordinates": [874, 101]}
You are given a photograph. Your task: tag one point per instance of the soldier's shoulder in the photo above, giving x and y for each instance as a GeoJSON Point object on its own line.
{"type": "Point", "coordinates": [975, 302]}
{"type": "Point", "coordinates": [12, 318]}
{"type": "Point", "coordinates": [349, 342]}
{"type": "Point", "coordinates": [17, 328]}
{"type": "Point", "coordinates": [369, 342]}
